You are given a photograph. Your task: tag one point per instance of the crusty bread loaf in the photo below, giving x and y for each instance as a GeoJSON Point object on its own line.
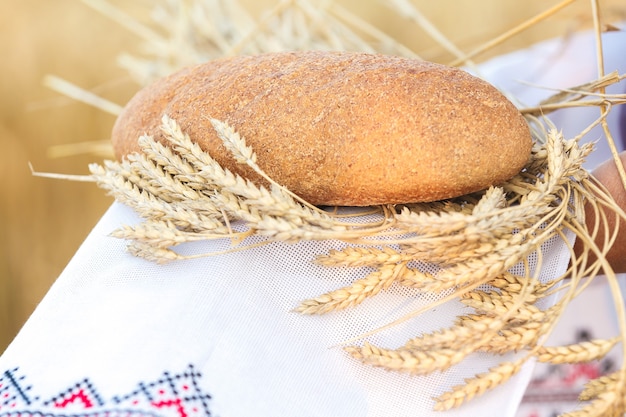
{"type": "Point", "coordinates": [339, 128]}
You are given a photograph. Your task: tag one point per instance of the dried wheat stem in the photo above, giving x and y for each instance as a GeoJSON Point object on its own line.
{"type": "Point", "coordinates": [456, 248]}
{"type": "Point", "coordinates": [482, 269]}
{"type": "Point", "coordinates": [85, 96]}
{"type": "Point", "coordinates": [511, 283]}
{"type": "Point", "coordinates": [583, 90]}
{"type": "Point", "coordinates": [354, 294]}
{"type": "Point", "coordinates": [237, 47]}
{"type": "Point", "coordinates": [280, 199]}
{"type": "Point", "coordinates": [363, 256]}
{"type": "Point", "coordinates": [412, 13]}
{"type": "Point", "coordinates": [153, 254]}
{"type": "Point", "coordinates": [580, 352]}
{"type": "Point", "coordinates": [605, 404]}
{"type": "Point", "coordinates": [429, 359]}
{"type": "Point", "coordinates": [149, 206]}
{"type": "Point", "coordinates": [413, 361]}
{"type": "Point", "coordinates": [450, 338]}
{"type": "Point", "coordinates": [148, 176]}
{"type": "Point", "coordinates": [595, 387]}
{"type": "Point", "coordinates": [163, 234]}
{"type": "Point", "coordinates": [494, 304]}
{"type": "Point", "coordinates": [478, 385]}
{"type": "Point", "coordinates": [174, 164]}
{"type": "Point", "coordinates": [229, 187]}
{"type": "Point", "coordinates": [368, 28]}
{"type": "Point", "coordinates": [517, 337]}
{"type": "Point", "coordinates": [509, 33]}
{"type": "Point", "coordinates": [122, 19]}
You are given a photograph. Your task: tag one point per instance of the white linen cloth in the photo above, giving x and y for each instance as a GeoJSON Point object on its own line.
{"type": "Point", "coordinates": [215, 336]}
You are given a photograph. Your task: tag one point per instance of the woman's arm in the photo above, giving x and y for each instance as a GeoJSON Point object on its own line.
{"type": "Point", "coordinates": [607, 175]}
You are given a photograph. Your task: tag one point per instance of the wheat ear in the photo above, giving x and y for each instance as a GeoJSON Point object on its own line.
{"type": "Point", "coordinates": [477, 385]}
{"type": "Point", "coordinates": [354, 294]}
{"type": "Point", "coordinates": [579, 352]}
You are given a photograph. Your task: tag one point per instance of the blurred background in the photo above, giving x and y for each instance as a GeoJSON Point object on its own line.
{"type": "Point", "coordinates": [43, 221]}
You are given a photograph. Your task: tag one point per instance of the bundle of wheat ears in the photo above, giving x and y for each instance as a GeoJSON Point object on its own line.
{"type": "Point", "coordinates": [183, 195]}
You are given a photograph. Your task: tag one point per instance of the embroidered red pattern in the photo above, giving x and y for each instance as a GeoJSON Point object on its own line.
{"type": "Point", "coordinates": [171, 395]}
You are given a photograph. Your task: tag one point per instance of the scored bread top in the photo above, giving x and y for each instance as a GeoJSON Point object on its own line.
{"type": "Point", "coordinates": [341, 128]}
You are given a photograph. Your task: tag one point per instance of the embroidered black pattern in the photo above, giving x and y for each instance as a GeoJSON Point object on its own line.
{"type": "Point", "coordinates": [13, 391]}
{"type": "Point", "coordinates": [82, 394]}
{"type": "Point", "coordinates": [180, 392]}
{"type": "Point", "coordinates": [171, 395]}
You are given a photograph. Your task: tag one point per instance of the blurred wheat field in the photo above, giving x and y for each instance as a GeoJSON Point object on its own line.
{"type": "Point", "coordinates": [43, 221]}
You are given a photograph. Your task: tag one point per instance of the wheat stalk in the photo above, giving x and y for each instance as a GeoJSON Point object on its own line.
{"type": "Point", "coordinates": [451, 338]}
{"type": "Point", "coordinates": [579, 352]}
{"type": "Point", "coordinates": [477, 385]}
{"type": "Point", "coordinates": [595, 387]}
{"type": "Point", "coordinates": [350, 296]}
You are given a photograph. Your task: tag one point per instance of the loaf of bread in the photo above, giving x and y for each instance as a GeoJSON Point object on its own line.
{"type": "Point", "coordinates": [339, 128]}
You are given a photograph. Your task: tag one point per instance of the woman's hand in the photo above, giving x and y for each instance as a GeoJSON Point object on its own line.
{"type": "Point", "coordinates": [608, 176]}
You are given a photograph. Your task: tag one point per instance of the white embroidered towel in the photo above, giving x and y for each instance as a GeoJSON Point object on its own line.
{"type": "Point", "coordinates": [215, 336]}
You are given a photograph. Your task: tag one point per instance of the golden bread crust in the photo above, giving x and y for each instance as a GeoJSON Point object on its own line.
{"type": "Point", "coordinates": [339, 128]}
